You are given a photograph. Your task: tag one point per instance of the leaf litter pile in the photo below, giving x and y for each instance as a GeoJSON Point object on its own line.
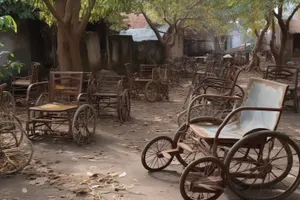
{"type": "Point", "coordinates": [94, 186]}
{"type": "Point", "coordinates": [15, 149]}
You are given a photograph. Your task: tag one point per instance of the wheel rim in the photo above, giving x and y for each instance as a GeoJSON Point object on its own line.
{"type": "Point", "coordinates": [84, 124]}
{"type": "Point", "coordinates": [269, 172]}
{"type": "Point", "coordinates": [152, 158]}
{"type": "Point", "coordinates": [7, 106]}
{"type": "Point", "coordinates": [203, 179]}
{"type": "Point", "coordinates": [17, 152]}
{"type": "Point", "coordinates": [151, 91]}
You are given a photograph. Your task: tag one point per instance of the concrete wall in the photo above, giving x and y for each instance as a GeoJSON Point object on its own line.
{"type": "Point", "coordinates": [17, 43]}
{"type": "Point", "coordinates": [93, 51]}
{"type": "Point", "coordinates": [177, 50]}
{"type": "Point", "coordinates": [198, 47]}
{"type": "Point", "coordinates": [148, 52]}
{"type": "Point", "coordinates": [121, 51]}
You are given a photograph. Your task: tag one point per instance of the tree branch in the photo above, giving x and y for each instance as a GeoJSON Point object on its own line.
{"type": "Point", "coordinates": [86, 17]}
{"type": "Point", "coordinates": [167, 21]}
{"type": "Point", "coordinates": [160, 39]}
{"type": "Point", "coordinates": [75, 18]}
{"type": "Point", "coordinates": [165, 16]}
{"type": "Point", "coordinates": [273, 40]}
{"type": "Point", "coordinates": [68, 11]}
{"type": "Point", "coordinates": [53, 12]}
{"type": "Point", "coordinates": [281, 23]}
{"type": "Point", "coordinates": [256, 33]}
{"type": "Point", "coordinates": [171, 39]}
{"type": "Point", "coordinates": [194, 5]}
{"type": "Point", "coordinates": [291, 16]}
{"type": "Point", "coordinates": [280, 10]}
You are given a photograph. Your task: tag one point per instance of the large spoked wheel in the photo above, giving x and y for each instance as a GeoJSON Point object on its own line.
{"type": "Point", "coordinates": [193, 152]}
{"type": "Point", "coordinates": [203, 179]}
{"type": "Point", "coordinates": [16, 151]}
{"type": "Point", "coordinates": [7, 106]}
{"type": "Point", "coordinates": [151, 91]}
{"type": "Point", "coordinates": [152, 157]}
{"type": "Point", "coordinates": [263, 166]}
{"type": "Point", "coordinates": [84, 124]}
{"type": "Point", "coordinates": [126, 106]}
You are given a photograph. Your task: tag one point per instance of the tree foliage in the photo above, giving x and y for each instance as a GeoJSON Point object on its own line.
{"type": "Point", "coordinates": [110, 10]}
{"type": "Point", "coordinates": [18, 9]}
{"type": "Point", "coordinates": [72, 17]}
{"type": "Point", "coordinates": [195, 15]}
{"type": "Point", "coordinates": [202, 15]}
{"type": "Point", "coordinates": [7, 69]}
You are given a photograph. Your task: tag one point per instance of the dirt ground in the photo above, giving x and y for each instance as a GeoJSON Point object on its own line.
{"type": "Point", "coordinates": [110, 167]}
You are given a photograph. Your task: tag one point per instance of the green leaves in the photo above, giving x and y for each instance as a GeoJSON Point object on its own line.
{"type": "Point", "coordinates": [9, 67]}
{"type": "Point", "coordinates": [7, 22]}
{"type": "Point", "coordinates": [200, 15]}
{"type": "Point", "coordinates": [18, 9]}
{"type": "Point", "coordinates": [110, 10]}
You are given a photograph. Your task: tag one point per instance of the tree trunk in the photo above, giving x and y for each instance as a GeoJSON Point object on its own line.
{"type": "Point", "coordinates": [273, 47]}
{"type": "Point", "coordinates": [282, 49]}
{"type": "Point", "coordinates": [68, 40]}
{"type": "Point", "coordinates": [76, 61]}
{"type": "Point", "coordinates": [279, 54]}
{"type": "Point", "coordinates": [108, 52]}
{"type": "Point", "coordinates": [284, 27]}
{"type": "Point", "coordinates": [217, 45]}
{"type": "Point", "coordinates": [255, 63]}
{"type": "Point", "coordinates": [63, 53]}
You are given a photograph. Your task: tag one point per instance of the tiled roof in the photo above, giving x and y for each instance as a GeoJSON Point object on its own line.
{"type": "Point", "coordinates": [144, 34]}
{"type": "Point", "coordinates": [136, 21]}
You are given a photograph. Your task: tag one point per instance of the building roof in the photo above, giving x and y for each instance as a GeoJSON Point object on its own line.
{"type": "Point", "coordinates": [294, 26]}
{"type": "Point", "coordinates": [136, 21]}
{"type": "Point", "coordinates": [145, 34]}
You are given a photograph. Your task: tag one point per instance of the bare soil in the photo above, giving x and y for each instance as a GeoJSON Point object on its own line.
{"type": "Point", "coordinates": [110, 167]}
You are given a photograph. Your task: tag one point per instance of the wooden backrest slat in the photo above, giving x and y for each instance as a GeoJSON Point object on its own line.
{"type": "Point", "coordinates": [65, 85]}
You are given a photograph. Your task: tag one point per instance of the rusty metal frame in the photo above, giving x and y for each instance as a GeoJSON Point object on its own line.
{"type": "Point", "coordinates": [286, 75]}
{"type": "Point", "coordinates": [59, 117]}
{"type": "Point", "coordinates": [102, 98]}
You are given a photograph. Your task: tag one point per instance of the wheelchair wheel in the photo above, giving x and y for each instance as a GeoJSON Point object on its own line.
{"type": "Point", "coordinates": [16, 151]}
{"type": "Point", "coordinates": [263, 166]}
{"type": "Point", "coordinates": [152, 159]}
{"type": "Point", "coordinates": [152, 91]}
{"type": "Point", "coordinates": [203, 179]}
{"type": "Point", "coordinates": [84, 124]}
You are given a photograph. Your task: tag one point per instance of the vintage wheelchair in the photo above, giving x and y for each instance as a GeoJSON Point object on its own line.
{"type": "Point", "coordinates": [243, 151]}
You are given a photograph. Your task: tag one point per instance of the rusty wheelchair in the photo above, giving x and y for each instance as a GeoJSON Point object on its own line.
{"type": "Point", "coordinates": [243, 152]}
{"type": "Point", "coordinates": [61, 109]}
{"type": "Point", "coordinates": [16, 149]}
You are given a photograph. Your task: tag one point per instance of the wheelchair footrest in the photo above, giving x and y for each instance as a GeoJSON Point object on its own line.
{"type": "Point", "coordinates": [185, 147]}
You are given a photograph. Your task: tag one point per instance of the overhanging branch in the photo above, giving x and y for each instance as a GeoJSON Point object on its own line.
{"type": "Point", "coordinates": [68, 11]}
{"type": "Point", "coordinates": [160, 39]}
{"type": "Point", "coordinates": [86, 17]}
{"type": "Point", "coordinates": [292, 15]}
{"type": "Point", "coordinates": [53, 12]}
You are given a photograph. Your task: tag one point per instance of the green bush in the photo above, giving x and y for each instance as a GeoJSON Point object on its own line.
{"type": "Point", "coordinates": [9, 68]}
